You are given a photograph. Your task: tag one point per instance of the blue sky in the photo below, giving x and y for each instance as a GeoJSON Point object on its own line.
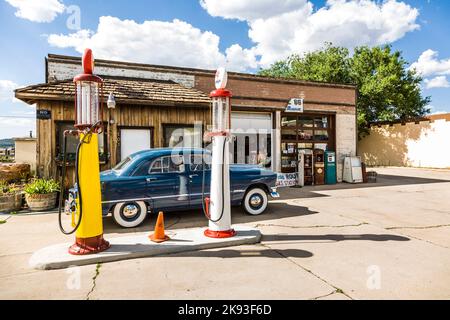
{"type": "Point", "coordinates": [244, 35]}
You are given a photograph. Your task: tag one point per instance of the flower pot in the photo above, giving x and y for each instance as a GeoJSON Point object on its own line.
{"type": "Point", "coordinates": [41, 202]}
{"type": "Point", "coordinates": [11, 202]}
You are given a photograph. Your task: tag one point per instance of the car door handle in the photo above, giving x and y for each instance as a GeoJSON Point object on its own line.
{"type": "Point", "coordinates": [151, 179]}
{"type": "Point", "coordinates": [193, 176]}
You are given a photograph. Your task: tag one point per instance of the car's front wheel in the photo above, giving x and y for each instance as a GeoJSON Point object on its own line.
{"type": "Point", "coordinates": [255, 201]}
{"type": "Point", "coordinates": [130, 214]}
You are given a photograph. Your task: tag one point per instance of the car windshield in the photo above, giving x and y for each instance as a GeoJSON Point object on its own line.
{"type": "Point", "coordinates": [123, 164]}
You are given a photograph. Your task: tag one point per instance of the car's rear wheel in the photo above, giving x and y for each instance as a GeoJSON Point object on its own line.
{"type": "Point", "coordinates": [130, 214]}
{"type": "Point", "coordinates": [255, 201]}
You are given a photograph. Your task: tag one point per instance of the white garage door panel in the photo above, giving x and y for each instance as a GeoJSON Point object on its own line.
{"type": "Point", "coordinates": [249, 121]}
{"type": "Point", "coordinates": [134, 140]}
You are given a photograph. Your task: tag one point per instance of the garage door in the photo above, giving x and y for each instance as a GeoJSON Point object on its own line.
{"type": "Point", "coordinates": [251, 121]}
{"type": "Point", "coordinates": [134, 140]}
{"type": "Point", "coordinates": [253, 133]}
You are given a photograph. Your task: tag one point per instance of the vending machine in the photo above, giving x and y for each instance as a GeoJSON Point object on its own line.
{"type": "Point", "coordinates": [353, 170]}
{"type": "Point", "coordinates": [330, 167]}
{"type": "Point", "coordinates": [319, 167]}
{"type": "Point", "coordinates": [306, 164]}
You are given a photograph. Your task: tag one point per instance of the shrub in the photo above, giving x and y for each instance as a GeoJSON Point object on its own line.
{"type": "Point", "coordinates": [7, 189]}
{"type": "Point", "coordinates": [42, 186]}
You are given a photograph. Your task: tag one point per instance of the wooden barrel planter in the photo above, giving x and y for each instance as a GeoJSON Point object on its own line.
{"type": "Point", "coordinates": [41, 202]}
{"type": "Point", "coordinates": [11, 202]}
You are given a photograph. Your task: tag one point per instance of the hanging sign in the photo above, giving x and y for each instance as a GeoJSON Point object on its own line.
{"type": "Point", "coordinates": [296, 105]}
{"type": "Point", "coordinates": [43, 114]}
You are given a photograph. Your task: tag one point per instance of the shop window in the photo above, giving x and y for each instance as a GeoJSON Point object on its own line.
{"type": "Point", "coordinates": [321, 123]}
{"type": "Point", "coordinates": [182, 136]}
{"type": "Point", "coordinates": [305, 135]}
{"type": "Point", "coordinates": [305, 132]}
{"type": "Point", "coordinates": [321, 135]}
{"type": "Point", "coordinates": [305, 146]}
{"type": "Point", "coordinates": [288, 121]}
{"type": "Point", "coordinates": [306, 122]}
{"type": "Point", "coordinates": [288, 134]}
{"type": "Point", "coordinates": [72, 143]}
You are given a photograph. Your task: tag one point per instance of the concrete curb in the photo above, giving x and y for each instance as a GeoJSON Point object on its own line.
{"type": "Point", "coordinates": [139, 246]}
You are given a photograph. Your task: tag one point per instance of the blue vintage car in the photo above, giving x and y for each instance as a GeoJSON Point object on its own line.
{"type": "Point", "coordinates": [171, 180]}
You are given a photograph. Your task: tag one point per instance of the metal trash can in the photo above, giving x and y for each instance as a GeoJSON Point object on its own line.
{"type": "Point", "coordinates": [372, 177]}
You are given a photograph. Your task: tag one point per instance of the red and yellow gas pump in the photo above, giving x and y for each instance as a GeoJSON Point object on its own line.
{"type": "Point", "coordinates": [86, 207]}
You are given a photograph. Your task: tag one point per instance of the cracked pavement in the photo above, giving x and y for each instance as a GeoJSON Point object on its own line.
{"type": "Point", "coordinates": [389, 240]}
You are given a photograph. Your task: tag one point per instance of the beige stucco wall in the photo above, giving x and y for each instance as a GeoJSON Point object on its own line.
{"type": "Point", "coordinates": [345, 140]}
{"type": "Point", "coordinates": [425, 144]}
{"type": "Point", "coordinates": [26, 153]}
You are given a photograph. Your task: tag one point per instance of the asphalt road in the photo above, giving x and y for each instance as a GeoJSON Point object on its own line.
{"type": "Point", "coordinates": [389, 240]}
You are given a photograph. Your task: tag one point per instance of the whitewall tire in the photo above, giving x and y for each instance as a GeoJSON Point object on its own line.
{"type": "Point", "coordinates": [255, 202]}
{"type": "Point", "coordinates": [130, 214]}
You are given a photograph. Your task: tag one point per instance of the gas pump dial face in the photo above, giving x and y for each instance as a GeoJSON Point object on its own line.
{"type": "Point", "coordinates": [221, 78]}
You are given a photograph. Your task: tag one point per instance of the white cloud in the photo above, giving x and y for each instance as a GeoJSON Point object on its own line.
{"type": "Point", "coordinates": [16, 127]}
{"type": "Point", "coordinates": [157, 42]}
{"type": "Point", "coordinates": [280, 28]}
{"type": "Point", "coordinates": [7, 88]}
{"type": "Point", "coordinates": [250, 10]}
{"type": "Point", "coordinates": [238, 57]}
{"type": "Point", "coordinates": [437, 82]}
{"type": "Point", "coordinates": [429, 64]}
{"type": "Point", "coordinates": [37, 11]}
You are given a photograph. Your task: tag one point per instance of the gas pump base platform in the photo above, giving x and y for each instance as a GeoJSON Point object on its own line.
{"type": "Point", "coordinates": [139, 246]}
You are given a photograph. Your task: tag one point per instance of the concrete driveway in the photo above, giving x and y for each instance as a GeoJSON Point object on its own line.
{"type": "Point", "coordinates": [389, 240]}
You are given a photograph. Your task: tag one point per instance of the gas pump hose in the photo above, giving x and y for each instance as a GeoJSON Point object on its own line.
{"type": "Point", "coordinates": [87, 135]}
{"type": "Point", "coordinates": [223, 185]}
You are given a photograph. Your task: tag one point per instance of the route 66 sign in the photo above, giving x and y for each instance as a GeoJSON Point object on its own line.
{"type": "Point", "coordinates": [295, 105]}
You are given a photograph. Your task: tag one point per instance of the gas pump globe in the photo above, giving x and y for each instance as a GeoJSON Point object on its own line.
{"type": "Point", "coordinates": [221, 112]}
{"type": "Point", "coordinates": [218, 206]}
{"type": "Point", "coordinates": [89, 92]}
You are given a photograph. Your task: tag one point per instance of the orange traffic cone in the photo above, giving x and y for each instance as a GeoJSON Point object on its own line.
{"type": "Point", "coordinates": [159, 235]}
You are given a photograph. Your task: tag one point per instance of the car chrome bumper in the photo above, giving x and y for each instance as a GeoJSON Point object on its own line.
{"type": "Point", "coordinates": [274, 194]}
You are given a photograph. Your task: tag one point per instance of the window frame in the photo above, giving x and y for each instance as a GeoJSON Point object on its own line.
{"type": "Point", "coordinates": [59, 144]}
{"type": "Point", "coordinates": [162, 165]}
{"type": "Point", "coordinates": [330, 141]}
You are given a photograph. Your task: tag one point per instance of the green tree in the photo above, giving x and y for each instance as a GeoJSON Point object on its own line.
{"type": "Point", "coordinates": [387, 89]}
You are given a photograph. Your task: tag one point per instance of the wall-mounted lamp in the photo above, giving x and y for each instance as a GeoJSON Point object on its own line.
{"type": "Point", "coordinates": [111, 101]}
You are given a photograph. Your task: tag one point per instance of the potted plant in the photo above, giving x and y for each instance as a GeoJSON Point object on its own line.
{"type": "Point", "coordinates": [41, 194]}
{"type": "Point", "coordinates": [10, 197]}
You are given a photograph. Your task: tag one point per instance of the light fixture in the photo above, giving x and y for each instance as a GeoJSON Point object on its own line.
{"type": "Point", "coordinates": [111, 101]}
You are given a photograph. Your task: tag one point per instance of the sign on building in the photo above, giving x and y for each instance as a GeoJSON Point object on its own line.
{"type": "Point", "coordinates": [287, 180]}
{"type": "Point", "coordinates": [296, 105]}
{"type": "Point", "coordinates": [43, 114]}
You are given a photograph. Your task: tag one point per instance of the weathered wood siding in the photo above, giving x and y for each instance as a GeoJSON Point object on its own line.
{"type": "Point", "coordinates": [123, 116]}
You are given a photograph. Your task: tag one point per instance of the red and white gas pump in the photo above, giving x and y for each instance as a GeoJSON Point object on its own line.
{"type": "Point", "coordinates": [218, 206]}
